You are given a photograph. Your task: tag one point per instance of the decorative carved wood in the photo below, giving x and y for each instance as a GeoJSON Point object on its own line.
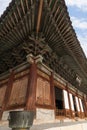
{"type": "Point", "coordinates": [51, 35]}
{"type": "Point", "coordinates": [51, 21]}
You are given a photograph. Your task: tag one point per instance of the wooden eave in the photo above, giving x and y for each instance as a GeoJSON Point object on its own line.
{"type": "Point", "coordinates": [24, 19]}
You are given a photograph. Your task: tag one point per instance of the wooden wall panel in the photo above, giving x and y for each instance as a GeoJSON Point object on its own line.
{"type": "Point", "coordinates": [19, 89]}
{"type": "Point", "coordinates": [43, 92]}
{"type": "Point", "coordinates": [2, 94]}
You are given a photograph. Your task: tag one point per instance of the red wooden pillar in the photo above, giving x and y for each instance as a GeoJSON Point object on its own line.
{"type": "Point", "coordinates": [31, 90]}
{"type": "Point", "coordinates": [85, 106]}
{"type": "Point", "coordinates": [79, 112]}
{"type": "Point", "coordinates": [52, 91]}
{"type": "Point", "coordinates": [7, 93]}
{"type": "Point", "coordinates": [80, 108]}
{"type": "Point", "coordinates": [69, 101]}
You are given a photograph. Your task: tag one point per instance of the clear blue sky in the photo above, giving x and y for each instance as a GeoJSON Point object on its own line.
{"type": "Point", "coordinates": [78, 14]}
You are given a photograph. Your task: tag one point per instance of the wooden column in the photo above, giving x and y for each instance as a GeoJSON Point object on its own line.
{"type": "Point", "coordinates": [79, 105]}
{"type": "Point", "coordinates": [52, 91]}
{"type": "Point", "coordinates": [80, 108]}
{"type": "Point", "coordinates": [8, 93]}
{"type": "Point", "coordinates": [75, 103]}
{"type": "Point", "coordinates": [85, 107]}
{"type": "Point", "coordinates": [79, 112]}
{"type": "Point", "coordinates": [69, 101]}
{"type": "Point", "coordinates": [31, 90]}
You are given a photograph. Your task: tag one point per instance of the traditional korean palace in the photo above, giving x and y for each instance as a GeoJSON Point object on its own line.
{"type": "Point", "coordinates": [43, 69]}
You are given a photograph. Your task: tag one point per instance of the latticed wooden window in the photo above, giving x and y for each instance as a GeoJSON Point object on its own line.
{"type": "Point", "coordinates": [43, 91]}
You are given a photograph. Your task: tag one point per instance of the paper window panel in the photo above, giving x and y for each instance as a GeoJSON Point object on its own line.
{"type": "Point", "coordinates": [77, 104]}
{"type": "Point", "coordinates": [66, 101]}
{"type": "Point", "coordinates": [71, 101]}
{"type": "Point", "coordinates": [81, 105]}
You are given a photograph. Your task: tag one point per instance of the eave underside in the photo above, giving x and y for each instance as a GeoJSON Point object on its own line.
{"type": "Point", "coordinates": [23, 27]}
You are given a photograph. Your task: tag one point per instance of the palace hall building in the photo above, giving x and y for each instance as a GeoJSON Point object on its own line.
{"type": "Point", "coordinates": [43, 69]}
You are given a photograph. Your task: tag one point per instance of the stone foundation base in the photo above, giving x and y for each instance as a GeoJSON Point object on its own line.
{"type": "Point", "coordinates": [45, 114]}
{"type": "Point", "coordinates": [5, 115]}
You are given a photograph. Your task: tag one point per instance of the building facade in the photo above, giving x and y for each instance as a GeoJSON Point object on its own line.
{"type": "Point", "coordinates": [42, 66]}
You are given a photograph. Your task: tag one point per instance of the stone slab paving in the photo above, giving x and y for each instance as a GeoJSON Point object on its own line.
{"type": "Point", "coordinates": [56, 126]}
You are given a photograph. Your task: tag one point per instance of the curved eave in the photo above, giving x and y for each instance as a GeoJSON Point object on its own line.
{"type": "Point", "coordinates": [56, 15]}
{"type": "Point", "coordinates": [20, 20]}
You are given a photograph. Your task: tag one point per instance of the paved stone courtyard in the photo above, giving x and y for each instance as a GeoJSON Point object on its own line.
{"type": "Point", "coordinates": [78, 125]}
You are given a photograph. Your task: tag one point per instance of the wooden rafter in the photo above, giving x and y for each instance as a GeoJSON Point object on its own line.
{"type": "Point", "coordinates": [23, 20]}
